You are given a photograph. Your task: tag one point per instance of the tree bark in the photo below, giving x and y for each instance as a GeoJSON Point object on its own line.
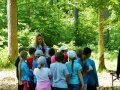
{"type": "Point", "coordinates": [12, 29]}
{"type": "Point", "coordinates": [101, 40]}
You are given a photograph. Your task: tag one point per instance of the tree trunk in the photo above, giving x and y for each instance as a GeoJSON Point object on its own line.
{"type": "Point", "coordinates": [27, 11]}
{"type": "Point", "coordinates": [12, 29]}
{"type": "Point", "coordinates": [101, 41]}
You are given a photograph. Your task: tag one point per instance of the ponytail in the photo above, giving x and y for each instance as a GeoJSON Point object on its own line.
{"type": "Point", "coordinates": [39, 66]}
{"type": "Point", "coordinates": [72, 63]}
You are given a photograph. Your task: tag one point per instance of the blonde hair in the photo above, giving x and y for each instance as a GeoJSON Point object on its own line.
{"type": "Point", "coordinates": [36, 40]}
{"type": "Point", "coordinates": [23, 55]}
{"type": "Point", "coordinates": [40, 65]}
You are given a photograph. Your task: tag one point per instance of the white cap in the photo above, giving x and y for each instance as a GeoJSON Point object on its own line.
{"type": "Point", "coordinates": [71, 54]}
{"type": "Point", "coordinates": [41, 60]}
{"type": "Point", "coordinates": [63, 48]}
{"type": "Point", "coordinates": [38, 53]}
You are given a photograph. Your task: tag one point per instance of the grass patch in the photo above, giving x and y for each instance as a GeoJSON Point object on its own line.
{"type": "Point", "coordinates": [4, 61]}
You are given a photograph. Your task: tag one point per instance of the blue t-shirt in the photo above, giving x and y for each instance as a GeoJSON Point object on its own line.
{"type": "Point", "coordinates": [84, 69]}
{"type": "Point", "coordinates": [93, 80]}
{"type": "Point", "coordinates": [74, 76]}
{"type": "Point", "coordinates": [25, 71]}
{"type": "Point", "coordinates": [58, 71]}
{"type": "Point", "coordinates": [35, 65]}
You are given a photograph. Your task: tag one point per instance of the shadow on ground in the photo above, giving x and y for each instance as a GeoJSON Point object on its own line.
{"type": "Point", "coordinates": [8, 81]}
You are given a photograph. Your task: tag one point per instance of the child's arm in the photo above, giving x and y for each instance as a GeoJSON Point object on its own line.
{"type": "Point", "coordinates": [89, 69]}
{"type": "Point", "coordinates": [27, 70]}
{"type": "Point", "coordinates": [19, 72]}
{"type": "Point", "coordinates": [66, 73]}
{"type": "Point", "coordinates": [67, 77]}
{"type": "Point", "coordinates": [88, 66]}
{"type": "Point", "coordinates": [49, 74]}
{"type": "Point", "coordinates": [81, 79]}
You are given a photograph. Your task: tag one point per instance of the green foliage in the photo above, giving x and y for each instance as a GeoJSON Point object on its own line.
{"type": "Point", "coordinates": [56, 23]}
{"type": "Point", "coordinates": [70, 46]}
{"type": "Point", "coordinates": [4, 62]}
{"type": "Point", "coordinates": [3, 38]}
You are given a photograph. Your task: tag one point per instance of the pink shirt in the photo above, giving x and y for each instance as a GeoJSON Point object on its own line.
{"type": "Point", "coordinates": [53, 59]}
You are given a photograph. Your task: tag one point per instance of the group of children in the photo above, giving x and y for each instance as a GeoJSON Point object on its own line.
{"type": "Point", "coordinates": [57, 72]}
{"type": "Point", "coordinates": [47, 69]}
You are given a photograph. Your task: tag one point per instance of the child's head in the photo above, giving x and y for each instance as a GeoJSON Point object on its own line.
{"type": "Point", "coordinates": [87, 51]}
{"type": "Point", "coordinates": [51, 52]}
{"type": "Point", "coordinates": [32, 50]}
{"type": "Point", "coordinates": [39, 40]}
{"type": "Point", "coordinates": [21, 49]}
{"type": "Point", "coordinates": [41, 61]}
{"type": "Point", "coordinates": [72, 55]}
{"type": "Point", "coordinates": [23, 55]}
{"type": "Point", "coordinates": [79, 53]}
{"type": "Point", "coordinates": [38, 53]}
{"type": "Point", "coordinates": [59, 57]}
{"type": "Point", "coordinates": [63, 49]}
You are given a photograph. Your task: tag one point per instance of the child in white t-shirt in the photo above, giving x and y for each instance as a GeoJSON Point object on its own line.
{"type": "Point", "coordinates": [42, 74]}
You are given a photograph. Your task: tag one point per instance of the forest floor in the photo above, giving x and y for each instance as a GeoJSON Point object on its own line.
{"type": "Point", "coordinates": [8, 80]}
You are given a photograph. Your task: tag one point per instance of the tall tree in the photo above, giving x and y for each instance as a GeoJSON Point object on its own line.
{"type": "Point", "coordinates": [101, 39]}
{"type": "Point", "coordinates": [12, 29]}
{"type": "Point", "coordinates": [99, 6]}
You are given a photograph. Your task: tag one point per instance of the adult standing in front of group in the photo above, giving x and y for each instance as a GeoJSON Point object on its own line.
{"type": "Point", "coordinates": [40, 44]}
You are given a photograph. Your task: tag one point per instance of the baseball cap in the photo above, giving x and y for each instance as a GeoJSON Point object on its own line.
{"type": "Point", "coordinates": [71, 54]}
{"type": "Point", "coordinates": [38, 53]}
{"type": "Point", "coordinates": [41, 60]}
{"type": "Point", "coordinates": [63, 48]}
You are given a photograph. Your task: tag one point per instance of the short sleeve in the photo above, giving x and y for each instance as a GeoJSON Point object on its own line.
{"type": "Point", "coordinates": [49, 72]}
{"type": "Point", "coordinates": [34, 46]}
{"type": "Point", "coordinates": [35, 71]}
{"type": "Point", "coordinates": [45, 46]}
{"type": "Point", "coordinates": [88, 64]}
{"type": "Point", "coordinates": [65, 70]}
{"type": "Point", "coordinates": [79, 67]}
{"type": "Point", "coordinates": [76, 61]}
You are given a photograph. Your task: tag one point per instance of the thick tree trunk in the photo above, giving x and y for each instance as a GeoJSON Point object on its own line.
{"type": "Point", "coordinates": [12, 29]}
{"type": "Point", "coordinates": [101, 41]}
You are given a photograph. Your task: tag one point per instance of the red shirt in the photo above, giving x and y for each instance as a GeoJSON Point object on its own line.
{"type": "Point", "coordinates": [29, 62]}
{"type": "Point", "coordinates": [65, 58]}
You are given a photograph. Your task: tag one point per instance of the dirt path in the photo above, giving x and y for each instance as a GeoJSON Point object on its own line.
{"type": "Point", "coordinates": [8, 81]}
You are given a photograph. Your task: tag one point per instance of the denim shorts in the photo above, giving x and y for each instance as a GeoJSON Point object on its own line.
{"type": "Point", "coordinates": [74, 86]}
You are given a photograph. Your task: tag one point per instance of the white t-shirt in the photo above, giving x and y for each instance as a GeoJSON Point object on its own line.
{"type": "Point", "coordinates": [42, 74]}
